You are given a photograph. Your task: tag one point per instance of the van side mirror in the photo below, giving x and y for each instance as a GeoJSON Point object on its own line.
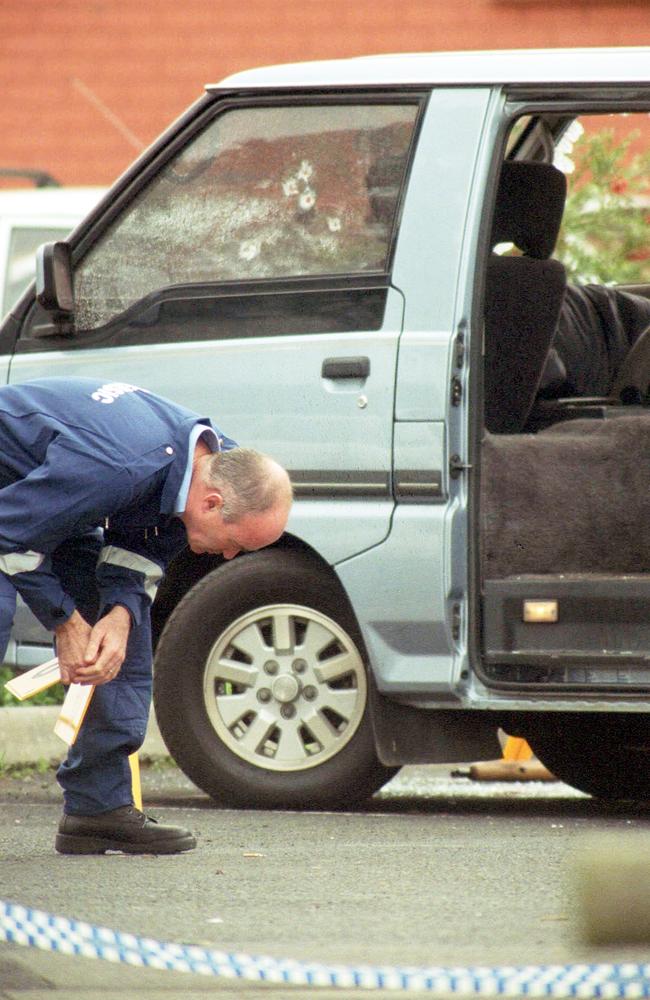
{"type": "Point", "coordinates": [54, 278]}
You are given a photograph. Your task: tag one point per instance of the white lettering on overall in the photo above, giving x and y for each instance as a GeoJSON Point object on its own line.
{"type": "Point", "coordinates": [113, 390]}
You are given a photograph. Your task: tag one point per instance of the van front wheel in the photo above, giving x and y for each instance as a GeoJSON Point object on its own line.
{"type": "Point", "coordinates": [261, 691]}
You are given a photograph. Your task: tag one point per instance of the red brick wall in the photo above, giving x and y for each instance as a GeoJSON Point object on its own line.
{"type": "Point", "coordinates": [86, 84]}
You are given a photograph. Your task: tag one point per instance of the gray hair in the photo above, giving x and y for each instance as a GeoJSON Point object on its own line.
{"type": "Point", "coordinates": [249, 482]}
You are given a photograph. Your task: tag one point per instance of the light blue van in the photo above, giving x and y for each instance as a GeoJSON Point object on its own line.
{"type": "Point", "coordinates": [350, 265]}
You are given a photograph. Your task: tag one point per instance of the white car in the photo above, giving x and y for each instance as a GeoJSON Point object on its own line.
{"type": "Point", "coordinates": [29, 217]}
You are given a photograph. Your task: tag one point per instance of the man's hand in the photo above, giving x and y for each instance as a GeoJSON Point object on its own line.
{"type": "Point", "coordinates": [72, 640]}
{"type": "Point", "coordinates": [93, 655]}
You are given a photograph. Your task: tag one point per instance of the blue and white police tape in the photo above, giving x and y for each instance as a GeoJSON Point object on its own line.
{"type": "Point", "coordinates": [37, 929]}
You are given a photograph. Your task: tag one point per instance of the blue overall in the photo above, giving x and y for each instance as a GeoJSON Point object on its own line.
{"type": "Point", "coordinates": [90, 475]}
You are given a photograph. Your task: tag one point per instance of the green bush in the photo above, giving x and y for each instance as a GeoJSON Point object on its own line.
{"type": "Point", "coordinates": [605, 235]}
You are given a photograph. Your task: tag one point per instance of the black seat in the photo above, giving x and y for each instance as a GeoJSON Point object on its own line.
{"type": "Point", "coordinates": [600, 347]}
{"type": "Point", "coordinates": [523, 295]}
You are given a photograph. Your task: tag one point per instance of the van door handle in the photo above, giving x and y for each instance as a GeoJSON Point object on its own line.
{"type": "Point", "coordinates": [345, 368]}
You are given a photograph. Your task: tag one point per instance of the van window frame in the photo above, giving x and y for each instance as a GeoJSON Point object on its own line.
{"type": "Point", "coordinates": [136, 180]}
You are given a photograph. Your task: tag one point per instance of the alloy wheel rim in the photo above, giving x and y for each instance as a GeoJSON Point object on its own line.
{"type": "Point", "coordinates": [285, 687]}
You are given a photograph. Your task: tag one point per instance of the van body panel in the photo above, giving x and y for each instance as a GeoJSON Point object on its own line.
{"type": "Point", "coordinates": [435, 207]}
{"type": "Point", "coordinates": [341, 449]}
{"type": "Point", "coordinates": [403, 600]}
{"type": "Point", "coordinates": [420, 461]}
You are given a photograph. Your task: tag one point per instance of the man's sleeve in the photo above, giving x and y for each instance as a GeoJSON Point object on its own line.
{"type": "Point", "coordinates": [131, 565]}
{"type": "Point", "coordinates": [32, 576]}
{"type": "Point", "coordinates": [60, 498]}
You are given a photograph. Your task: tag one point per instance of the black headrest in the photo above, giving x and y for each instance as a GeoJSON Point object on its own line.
{"type": "Point", "coordinates": [530, 203]}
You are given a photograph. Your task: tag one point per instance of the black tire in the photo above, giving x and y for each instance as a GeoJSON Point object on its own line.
{"type": "Point", "coordinates": [269, 726]}
{"type": "Point", "coordinates": [605, 755]}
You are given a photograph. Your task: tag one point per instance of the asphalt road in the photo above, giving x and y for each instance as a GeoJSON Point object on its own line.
{"type": "Point", "coordinates": [433, 871]}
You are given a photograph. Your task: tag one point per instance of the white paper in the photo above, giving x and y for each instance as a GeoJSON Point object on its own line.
{"type": "Point", "coordinates": [32, 681]}
{"type": "Point", "coordinates": [72, 712]}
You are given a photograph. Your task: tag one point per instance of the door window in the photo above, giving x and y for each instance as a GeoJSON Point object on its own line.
{"type": "Point", "coordinates": [260, 193]}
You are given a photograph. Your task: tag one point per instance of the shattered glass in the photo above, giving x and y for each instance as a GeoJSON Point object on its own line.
{"type": "Point", "coordinates": [260, 193]}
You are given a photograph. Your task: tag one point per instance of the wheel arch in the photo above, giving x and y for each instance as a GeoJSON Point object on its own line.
{"type": "Point", "coordinates": [285, 575]}
{"type": "Point", "coordinates": [187, 569]}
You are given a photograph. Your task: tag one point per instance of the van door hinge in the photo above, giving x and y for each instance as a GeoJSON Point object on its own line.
{"type": "Point", "coordinates": [456, 391]}
{"type": "Point", "coordinates": [455, 621]}
{"type": "Point", "coordinates": [456, 466]}
{"type": "Point", "coordinates": [459, 357]}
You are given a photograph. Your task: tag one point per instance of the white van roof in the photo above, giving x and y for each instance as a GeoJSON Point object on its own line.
{"type": "Point", "coordinates": [514, 66]}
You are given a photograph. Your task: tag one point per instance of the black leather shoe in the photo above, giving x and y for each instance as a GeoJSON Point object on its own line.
{"type": "Point", "coordinates": [125, 829]}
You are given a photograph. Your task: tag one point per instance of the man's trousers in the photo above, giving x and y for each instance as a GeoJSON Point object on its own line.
{"type": "Point", "coordinates": [96, 776]}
